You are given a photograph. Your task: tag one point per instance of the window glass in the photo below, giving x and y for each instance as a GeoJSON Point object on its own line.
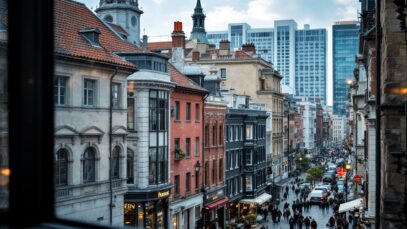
{"type": "Point", "coordinates": [116, 95]}
{"type": "Point", "coordinates": [89, 165]}
{"type": "Point", "coordinates": [188, 112]}
{"type": "Point", "coordinates": [89, 92]}
{"type": "Point", "coordinates": [177, 110]}
{"type": "Point", "coordinates": [60, 90]}
{"type": "Point", "coordinates": [130, 113]}
{"type": "Point", "coordinates": [188, 182]}
{"type": "Point", "coordinates": [188, 147]}
{"type": "Point", "coordinates": [197, 146]}
{"type": "Point", "coordinates": [130, 166]}
{"type": "Point", "coordinates": [249, 183]}
{"type": "Point", "coordinates": [61, 167]}
{"type": "Point", "coordinates": [116, 162]}
{"type": "Point", "coordinates": [249, 131]}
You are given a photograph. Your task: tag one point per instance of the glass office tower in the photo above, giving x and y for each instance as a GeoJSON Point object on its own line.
{"type": "Point", "coordinates": [345, 48]}
{"type": "Point", "coordinates": [310, 63]}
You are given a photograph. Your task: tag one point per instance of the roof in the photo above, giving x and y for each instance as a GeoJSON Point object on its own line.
{"type": "Point", "coordinates": [118, 28]}
{"type": "Point", "coordinates": [182, 81]}
{"type": "Point", "coordinates": [159, 45]}
{"type": "Point", "coordinates": [70, 18]}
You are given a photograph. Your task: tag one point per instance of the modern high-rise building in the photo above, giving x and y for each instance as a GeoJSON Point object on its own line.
{"type": "Point", "coordinates": [311, 63]}
{"type": "Point", "coordinates": [298, 54]}
{"type": "Point", "coordinates": [345, 48]}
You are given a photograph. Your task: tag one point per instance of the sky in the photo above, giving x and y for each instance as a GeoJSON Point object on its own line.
{"type": "Point", "coordinates": [159, 15]}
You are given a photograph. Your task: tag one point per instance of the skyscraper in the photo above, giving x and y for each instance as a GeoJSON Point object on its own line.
{"type": "Point", "coordinates": [310, 63]}
{"type": "Point", "coordinates": [298, 54]}
{"type": "Point", "coordinates": [345, 48]}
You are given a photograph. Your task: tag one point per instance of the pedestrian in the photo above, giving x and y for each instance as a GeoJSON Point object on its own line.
{"type": "Point", "coordinates": [300, 222]}
{"type": "Point", "coordinates": [265, 214]}
{"type": "Point", "coordinates": [291, 222]}
{"type": "Point", "coordinates": [274, 215]}
{"type": "Point", "coordinates": [350, 217]}
{"type": "Point", "coordinates": [331, 221]}
{"type": "Point", "coordinates": [285, 195]}
{"type": "Point", "coordinates": [313, 224]}
{"type": "Point", "coordinates": [307, 222]}
{"type": "Point", "coordinates": [278, 215]}
{"type": "Point", "coordinates": [294, 206]}
{"type": "Point", "coordinates": [286, 188]}
{"type": "Point", "coordinates": [286, 205]}
{"type": "Point", "coordinates": [262, 227]}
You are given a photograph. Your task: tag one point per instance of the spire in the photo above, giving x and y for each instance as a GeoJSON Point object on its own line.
{"type": "Point", "coordinates": [198, 7]}
{"type": "Point", "coordinates": [198, 18]}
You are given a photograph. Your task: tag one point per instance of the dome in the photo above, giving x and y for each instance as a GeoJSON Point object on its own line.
{"type": "Point", "coordinates": [126, 2]}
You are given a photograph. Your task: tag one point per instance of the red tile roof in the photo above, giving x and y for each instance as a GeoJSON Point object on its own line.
{"type": "Point", "coordinates": [183, 81]}
{"type": "Point", "coordinates": [159, 45]}
{"type": "Point", "coordinates": [118, 28]}
{"type": "Point", "coordinates": [70, 18]}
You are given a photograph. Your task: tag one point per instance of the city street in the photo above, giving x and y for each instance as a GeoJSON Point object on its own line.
{"type": "Point", "coordinates": [320, 216]}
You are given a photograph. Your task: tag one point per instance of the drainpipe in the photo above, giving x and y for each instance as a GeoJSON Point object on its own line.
{"type": "Point", "coordinates": [378, 116]}
{"type": "Point", "coordinates": [110, 145]}
{"type": "Point", "coordinates": [203, 155]}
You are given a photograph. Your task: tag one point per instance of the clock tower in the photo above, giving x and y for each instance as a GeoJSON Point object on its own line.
{"type": "Point", "coordinates": [198, 19]}
{"type": "Point", "coordinates": [125, 13]}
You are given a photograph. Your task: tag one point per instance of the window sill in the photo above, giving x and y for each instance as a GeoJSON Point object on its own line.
{"type": "Point", "coordinates": [177, 121]}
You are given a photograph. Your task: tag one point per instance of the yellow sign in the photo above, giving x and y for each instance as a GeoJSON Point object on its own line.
{"type": "Point", "coordinates": [129, 206]}
{"type": "Point", "coordinates": [163, 194]}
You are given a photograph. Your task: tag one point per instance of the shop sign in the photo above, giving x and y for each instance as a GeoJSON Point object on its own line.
{"type": "Point", "coordinates": [357, 179]}
{"type": "Point", "coordinates": [129, 206]}
{"type": "Point", "coordinates": [163, 194]}
{"type": "Point", "coordinates": [214, 196]}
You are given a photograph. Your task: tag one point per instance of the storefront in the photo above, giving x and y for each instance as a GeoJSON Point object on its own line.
{"type": "Point", "coordinates": [147, 210]}
{"type": "Point", "coordinates": [249, 207]}
{"type": "Point", "coordinates": [186, 213]}
{"type": "Point", "coordinates": [214, 210]}
{"type": "Point", "coordinates": [233, 212]}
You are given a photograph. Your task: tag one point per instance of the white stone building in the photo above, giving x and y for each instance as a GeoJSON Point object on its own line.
{"type": "Point", "coordinates": [308, 112]}
{"type": "Point", "coordinates": [90, 128]}
{"type": "Point", "coordinates": [338, 128]}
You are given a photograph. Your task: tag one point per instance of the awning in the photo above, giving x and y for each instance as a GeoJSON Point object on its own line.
{"type": "Point", "coordinates": [219, 202]}
{"type": "Point", "coordinates": [258, 200]}
{"type": "Point", "coordinates": [351, 205]}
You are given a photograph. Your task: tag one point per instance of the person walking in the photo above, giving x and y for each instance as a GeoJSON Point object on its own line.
{"type": "Point", "coordinates": [291, 222]}
{"type": "Point", "coordinates": [313, 224]}
{"type": "Point", "coordinates": [307, 222]}
{"type": "Point", "coordinates": [300, 221]}
{"type": "Point", "coordinates": [331, 222]}
{"type": "Point", "coordinates": [278, 215]}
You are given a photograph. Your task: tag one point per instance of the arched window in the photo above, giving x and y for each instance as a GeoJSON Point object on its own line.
{"type": "Point", "coordinates": [130, 166]}
{"type": "Point", "coordinates": [61, 167]}
{"type": "Point", "coordinates": [116, 162]}
{"type": "Point", "coordinates": [89, 165]}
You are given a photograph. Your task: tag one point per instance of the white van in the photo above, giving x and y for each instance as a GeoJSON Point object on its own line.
{"type": "Point", "coordinates": [317, 196]}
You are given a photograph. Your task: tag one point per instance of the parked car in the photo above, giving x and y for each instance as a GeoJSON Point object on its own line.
{"type": "Point", "coordinates": [317, 196]}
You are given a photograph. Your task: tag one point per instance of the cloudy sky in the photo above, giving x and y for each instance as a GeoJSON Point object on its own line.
{"type": "Point", "coordinates": [158, 17]}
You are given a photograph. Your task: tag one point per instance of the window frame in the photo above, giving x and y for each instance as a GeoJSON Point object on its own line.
{"type": "Point", "coordinates": [86, 92]}
{"type": "Point", "coordinates": [188, 111]}
{"type": "Point", "coordinates": [58, 87]}
{"type": "Point", "coordinates": [116, 102]}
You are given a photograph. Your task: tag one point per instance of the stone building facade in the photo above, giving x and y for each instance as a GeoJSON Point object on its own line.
{"type": "Point", "coordinates": [90, 123]}
{"type": "Point", "coordinates": [392, 100]}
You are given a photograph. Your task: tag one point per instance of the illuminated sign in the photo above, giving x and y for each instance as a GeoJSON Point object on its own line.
{"type": "Point", "coordinates": [129, 206]}
{"type": "Point", "coordinates": [163, 194]}
{"type": "Point", "coordinates": [214, 196]}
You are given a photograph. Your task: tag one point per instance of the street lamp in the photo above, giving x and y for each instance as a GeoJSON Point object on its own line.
{"type": "Point", "coordinates": [347, 167]}
{"type": "Point", "coordinates": [198, 166]}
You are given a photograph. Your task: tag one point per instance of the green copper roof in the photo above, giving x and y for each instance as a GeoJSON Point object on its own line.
{"type": "Point", "coordinates": [198, 7]}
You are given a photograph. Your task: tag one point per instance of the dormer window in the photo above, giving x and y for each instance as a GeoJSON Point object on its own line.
{"type": "Point", "coordinates": [91, 36]}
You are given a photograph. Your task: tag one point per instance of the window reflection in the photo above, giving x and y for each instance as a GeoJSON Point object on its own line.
{"type": "Point", "coordinates": [4, 159]}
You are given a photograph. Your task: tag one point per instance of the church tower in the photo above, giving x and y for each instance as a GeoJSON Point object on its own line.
{"type": "Point", "coordinates": [125, 13]}
{"type": "Point", "coordinates": [198, 18]}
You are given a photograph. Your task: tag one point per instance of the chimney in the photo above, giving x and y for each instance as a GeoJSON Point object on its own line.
{"type": "Point", "coordinates": [224, 48]}
{"type": "Point", "coordinates": [195, 56]}
{"type": "Point", "coordinates": [178, 36]}
{"type": "Point", "coordinates": [249, 48]}
{"type": "Point", "coordinates": [145, 43]}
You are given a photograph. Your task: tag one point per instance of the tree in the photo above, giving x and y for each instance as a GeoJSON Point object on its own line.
{"type": "Point", "coordinates": [302, 161]}
{"type": "Point", "coordinates": [314, 174]}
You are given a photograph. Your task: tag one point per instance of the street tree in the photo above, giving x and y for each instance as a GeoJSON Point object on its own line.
{"type": "Point", "coordinates": [314, 174]}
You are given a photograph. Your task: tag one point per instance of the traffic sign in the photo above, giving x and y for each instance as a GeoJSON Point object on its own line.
{"type": "Point", "coordinates": [341, 171]}
{"type": "Point", "coordinates": [357, 179]}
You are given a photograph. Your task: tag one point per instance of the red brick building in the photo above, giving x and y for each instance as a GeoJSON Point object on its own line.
{"type": "Point", "coordinates": [186, 150]}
